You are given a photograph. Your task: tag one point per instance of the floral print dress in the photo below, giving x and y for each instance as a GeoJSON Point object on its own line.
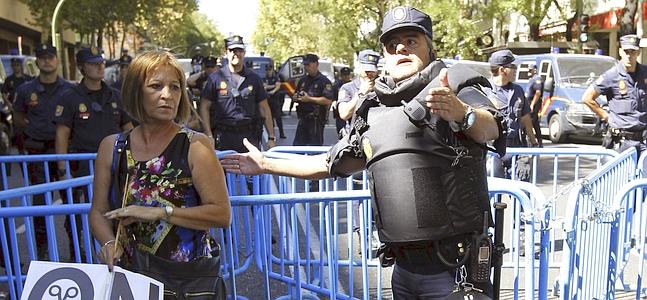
{"type": "Point", "coordinates": [159, 182]}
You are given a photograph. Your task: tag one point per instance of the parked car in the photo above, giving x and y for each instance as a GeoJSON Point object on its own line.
{"type": "Point", "coordinates": [482, 68]}
{"type": "Point", "coordinates": [258, 64]}
{"type": "Point", "coordinates": [566, 77]}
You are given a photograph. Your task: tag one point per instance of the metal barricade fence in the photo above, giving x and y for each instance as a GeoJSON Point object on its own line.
{"type": "Point", "coordinates": [589, 230]}
{"type": "Point", "coordinates": [40, 163]}
{"type": "Point", "coordinates": [628, 240]}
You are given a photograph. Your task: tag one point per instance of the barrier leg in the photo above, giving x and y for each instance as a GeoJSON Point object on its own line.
{"type": "Point", "coordinates": [498, 247]}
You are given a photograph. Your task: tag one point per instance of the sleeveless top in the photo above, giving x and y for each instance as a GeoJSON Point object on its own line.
{"type": "Point", "coordinates": [161, 181]}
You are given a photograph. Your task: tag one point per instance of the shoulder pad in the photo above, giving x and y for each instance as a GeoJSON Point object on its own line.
{"type": "Point", "coordinates": [460, 75]}
{"type": "Point", "coordinates": [346, 147]}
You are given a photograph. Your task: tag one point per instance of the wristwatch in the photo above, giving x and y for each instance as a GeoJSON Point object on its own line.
{"type": "Point", "coordinates": [169, 211]}
{"type": "Point", "coordinates": [469, 119]}
{"type": "Point", "coordinates": [271, 138]}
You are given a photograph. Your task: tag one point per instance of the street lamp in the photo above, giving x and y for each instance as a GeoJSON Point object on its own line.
{"type": "Point", "coordinates": [54, 40]}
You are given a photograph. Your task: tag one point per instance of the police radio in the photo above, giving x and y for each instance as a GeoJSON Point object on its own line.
{"type": "Point", "coordinates": [481, 254]}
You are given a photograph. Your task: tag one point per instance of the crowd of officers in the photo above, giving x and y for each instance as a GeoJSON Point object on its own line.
{"type": "Point", "coordinates": [235, 105]}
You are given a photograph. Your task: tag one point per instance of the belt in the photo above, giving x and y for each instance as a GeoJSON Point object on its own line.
{"type": "Point", "coordinates": [237, 129]}
{"type": "Point", "coordinates": [413, 253]}
{"type": "Point", "coordinates": [629, 135]}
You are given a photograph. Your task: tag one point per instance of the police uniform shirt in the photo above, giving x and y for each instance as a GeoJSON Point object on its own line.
{"type": "Point", "coordinates": [272, 80]}
{"type": "Point", "coordinates": [508, 97]}
{"type": "Point", "coordinates": [535, 84]}
{"type": "Point", "coordinates": [317, 86]}
{"type": "Point", "coordinates": [348, 90]}
{"type": "Point", "coordinates": [12, 83]}
{"type": "Point", "coordinates": [38, 105]}
{"type": "Point", "coordinates": [90, 120]}
{"type": "Point", "coordinates": [235, 104]}
{"type": "Point", "coordinates": [626, 96]}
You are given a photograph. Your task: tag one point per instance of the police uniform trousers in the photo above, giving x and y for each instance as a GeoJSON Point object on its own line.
{"type": "Point", "coordinates": [502, 165]}
{"type": "Point", "coordinates": [37, 175]}
{"type": "Point", "coordinates": [419, 274]}
{"type": "Point", "coordinates": [640, 148]}
{"type": "Point", "coordinates": [232, 138]}
{"type": "Point", "coordinates": [309, 131]}
{"type": "Point", "coordinates": [276, 106]}
{"type": "Point", "coordinates": [534, 118]}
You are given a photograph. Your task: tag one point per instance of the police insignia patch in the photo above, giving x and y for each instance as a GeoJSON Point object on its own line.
{"type": "Point", "coordinates": [44, 47]}
{"type": "Point", "coordinates": [83, 108]}
{"type": "Point", "coordinates": [622, 85]}
{"type": "Point", "coordinates": [399, 14]}
{"type": "Point", "coordinates": [251, 88]}
{"type": "Point", "coordinates": [34, 97]}
{"type": "Point", "coordinates": [114, 105]}
{"type": "Point", "coordinates": [59, 110]}
{"type": "Point", "coordinates": [328, 87]}
{"type": "Point", "coordinates": [223, 85]}
{"type": "Point", "coordinates": [366, 146]}
{"type": "Point", "coordinates": [316, 86]}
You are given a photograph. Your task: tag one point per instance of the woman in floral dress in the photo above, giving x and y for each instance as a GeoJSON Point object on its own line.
{"type": "Point", "coordinates": [176, 188]}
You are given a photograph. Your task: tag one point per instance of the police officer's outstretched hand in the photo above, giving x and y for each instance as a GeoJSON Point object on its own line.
{"type": "Point", "coordinates": [443, 102]}
{"type": "Point", "coordinates": [249, 163]}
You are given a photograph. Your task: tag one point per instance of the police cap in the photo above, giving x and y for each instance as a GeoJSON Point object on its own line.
{"type": "Point", "coordinates": [235, 42]}
{"type": "Point", "coordinates": [310, 58]}
{"type": "Point", "coordinates": [125, 60]}
{"type": "Point", "coordinates": [210, 62]}
{"type": "Point", "coordinates": [501, 58]}
{"type": "Point", "coordinates": [405, 17]}
{"type": "Point", "coordinates": [630, 42]}
{"type": "Point", "coordinates": [345, 71]}
{"type": "Point", "coordinates": [368, 60]}
{"type": "Point", "coordinates": [89, 55]}
{"type": "Point", "coordinates": [45, 49]}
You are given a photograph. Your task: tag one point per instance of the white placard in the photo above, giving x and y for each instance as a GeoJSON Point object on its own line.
{"type": "Point", "coordinates": [51, 280]}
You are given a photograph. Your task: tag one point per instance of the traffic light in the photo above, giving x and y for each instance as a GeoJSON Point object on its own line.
{"type": "Point", "coordinates": [584, 28]}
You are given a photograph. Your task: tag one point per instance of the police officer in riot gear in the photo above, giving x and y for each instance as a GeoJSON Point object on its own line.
{"type": "Point", "coordinates": [426, 158]}
{"type": "Point", "coordinates": [625, 87]}
{"type": "Point", "coordinates": [241, 107]}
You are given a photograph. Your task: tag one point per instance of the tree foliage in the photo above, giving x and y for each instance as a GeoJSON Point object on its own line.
{"type": "Point", "coordinates": [339, 29]}
{"type": "Point", "coordinates": [172, 24]}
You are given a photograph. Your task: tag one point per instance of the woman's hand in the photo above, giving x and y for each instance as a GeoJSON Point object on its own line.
{"type": "Point", "coordinates": [135, 213]}
{"type": "Point", "coordinates": [109, 255]}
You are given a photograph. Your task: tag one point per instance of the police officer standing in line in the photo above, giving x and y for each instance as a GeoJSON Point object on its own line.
{"type": "Point", "coordinates": [33, 114]}
{"type": "Point", "coordinates": [625, 87]}
{"type": "Point", "coordinates": [427, 172]}
{"type": "Point", "coordinates": [85, 114]}
{"type": "Point", "coordinates": [14, 80]}
{"type": "Point", "coordinates": [514, 106]}
{"type": "Point", "coordinates": [241, 108]}
{"type": "Point", "coordinates": [11, 84]}
{"type": "Point", "coordinates": [535, 94]}
{"type": "Point", "coordinates": [197, 81]}
{"type": "Point", "coordinates": [314, 95]}
{"type": "Point", "coordinates": [272, 86]}
{"type": "Point", "coordinates": [362, 85]}
{"type": "Point", "coordinates": [345, 76]}
{"type": "Point", "coordinates": [124, 62]}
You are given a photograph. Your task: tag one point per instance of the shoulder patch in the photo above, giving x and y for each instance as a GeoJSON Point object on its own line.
{"type": "Point", "coordinates": [366, 146]}
{"type": "Point", "coordinates": [59, 110]}
{"type": "Point", "coordinates": [328, 86]}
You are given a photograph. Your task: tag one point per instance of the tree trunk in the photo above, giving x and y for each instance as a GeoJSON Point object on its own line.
{"type": "Point", "coordinates": [100, 38]}
{"type": "Point", "coordinates": [534, 32]}
{"type": "Point", "coordinates": [123, 37]}
{"type": "Point", "coordinates": [627, 25]}
{"type": "Point", "coordinates": [569, 28]}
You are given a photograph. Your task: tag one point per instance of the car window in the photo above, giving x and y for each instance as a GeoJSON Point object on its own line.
{"type": "Point", "coordinates": [582, 71]}
{"type": "Point", "coordinates": [523, 71]}
{"type": "Point", "coordinates": [6, 62]}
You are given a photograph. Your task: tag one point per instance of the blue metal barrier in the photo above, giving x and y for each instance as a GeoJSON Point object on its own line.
{"type": "Point", "coordinates": [589, 230]}
{"type": "Point", "coordinates": [43, 161]}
